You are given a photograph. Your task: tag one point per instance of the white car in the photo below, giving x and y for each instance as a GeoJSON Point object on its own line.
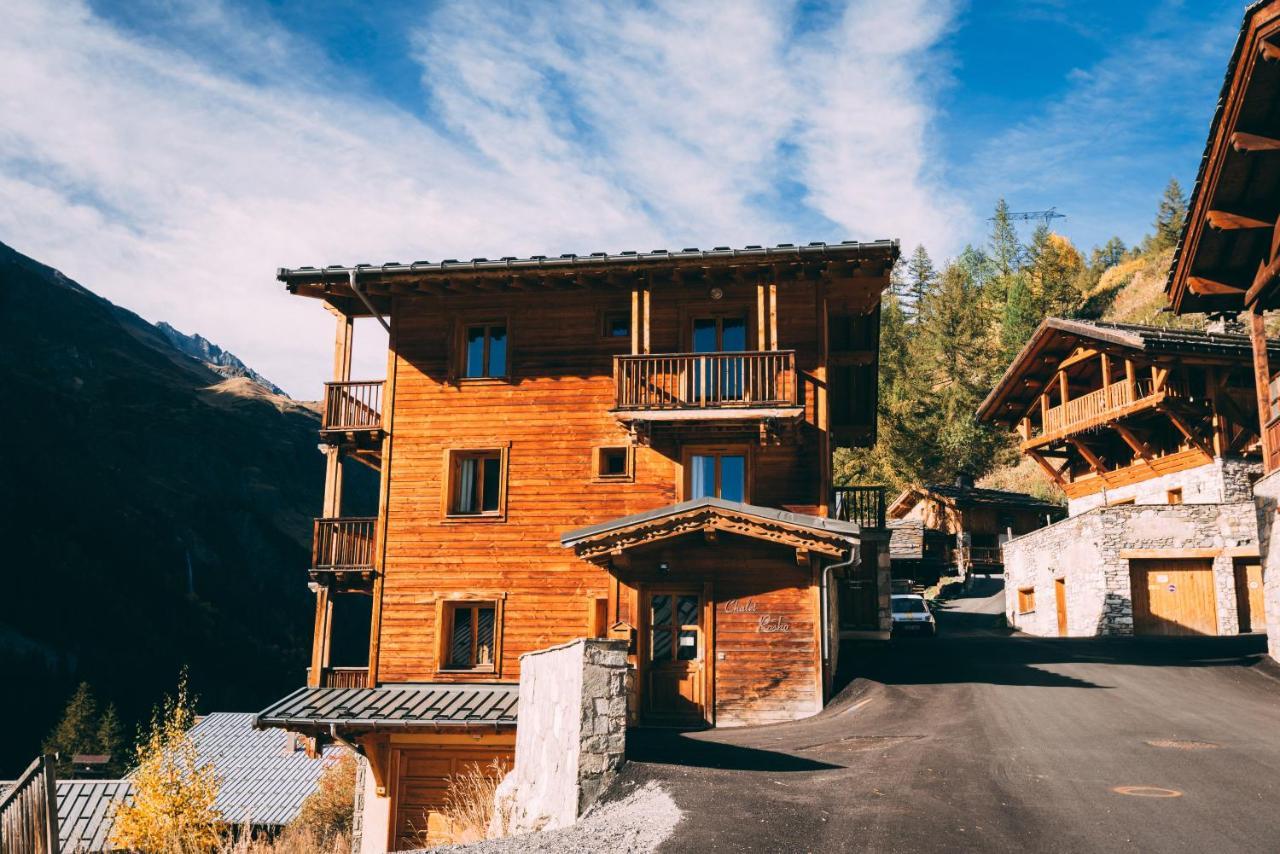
{"type": "Point", "coordinates": [911, 615]}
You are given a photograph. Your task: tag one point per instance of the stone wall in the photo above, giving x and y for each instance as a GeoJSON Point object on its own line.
{"type": "Point", "coordinates": [571, 737]}
{"type": "Point", "coordinates": [1266, 494]}
{"type": "Point", "coordinates": [1085, 550]}
{"type": "Point", "coordinates": [1226, 480]}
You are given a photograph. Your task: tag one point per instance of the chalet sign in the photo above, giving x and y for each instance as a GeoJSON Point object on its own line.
{"type": "Point", "coordinates": [766, 624]}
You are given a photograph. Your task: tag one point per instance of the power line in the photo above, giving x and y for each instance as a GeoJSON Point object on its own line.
{"type": "Point", "coordinates": [1046, 216]}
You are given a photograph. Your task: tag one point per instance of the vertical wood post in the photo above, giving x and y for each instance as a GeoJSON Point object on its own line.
{"type": "Point", "coordinates": [1131, 378]}
{"type": "Point", "coordinates": [320, 637]}
{"type": "Point", "coordinates": [635, 320]}
{"type": "Point", "coordinates": [647, 288]}
{"type": "Point", "coordinates": [1261, 381]}
{"type": "Point", "coordinates": [773, 315]}
{"type": "Point", "coordinates": [762, 342]}
{"type": "Point", "coordinates": [1106, 371]}
{"type": "Point", "coordinates": [50, 805]}
{"type": "Point", "coordinates": [1064, 390]}
{"type": "Point", "coordinates": [342, 341]}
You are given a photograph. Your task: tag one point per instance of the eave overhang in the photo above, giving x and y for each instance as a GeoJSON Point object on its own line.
{"type": "Point", "coordinates": [416, 706]}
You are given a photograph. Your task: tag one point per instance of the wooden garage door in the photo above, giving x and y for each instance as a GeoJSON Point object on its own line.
{"type": "Point", "coordinates": [423, 780]}
{"type": "Point", "coordinates": [1173, 597]}
{"type": "Point", "coordinates": [1249, 595]}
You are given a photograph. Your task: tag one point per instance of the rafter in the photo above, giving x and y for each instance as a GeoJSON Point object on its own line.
{"type": "Point", "coordinates": [1140, 448]}
{"type": "Point", "coordinates": [1186, 431]}
{"type": "Point", "coordinates": [1254, 142]}
{"type": "Point", "coordinates": [1054, 475]}
{"type": "Point", "coordinates": [1203, 286]}
{"type": "Point", "coordinates": [1229, 220]}
{"type": "Point", "coordinates": [1095, 462]}
{"type": "Point", "coordinates": [1269, 51]}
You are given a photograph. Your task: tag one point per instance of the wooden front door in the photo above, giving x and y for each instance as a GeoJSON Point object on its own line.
{"type": "Point", "coordinates": [1060, 596]}
{"type": "Point", "coordinates": [1173, 596]}
{"type": "Point", "coordinates": [675, 650]}
{"type": "Point", "coordinates": [1249, 596]}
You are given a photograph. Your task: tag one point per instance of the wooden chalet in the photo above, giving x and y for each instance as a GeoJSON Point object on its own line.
{"type": "Point", "coordinates": [1228, 259]}
{"type": "Point", "coordinates": [959, 529]}
{"type": "Point", "coordinates": [1104, 406]}
{"type": "Point", "coordinates": [635, 446]}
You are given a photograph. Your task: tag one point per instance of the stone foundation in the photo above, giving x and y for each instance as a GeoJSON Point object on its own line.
{"type": "Point", "coordinates": [571, 738]}
{"type": "Point", "coordinates": [1226, 480]}
{"type": "Point", "coordinates": [1266, 494]}
{"type": "Point", "coordinates": [1086, 551]}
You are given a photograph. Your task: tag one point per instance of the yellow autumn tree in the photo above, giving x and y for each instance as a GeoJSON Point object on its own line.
{"type": "Point", "coordinates": [172, 811]}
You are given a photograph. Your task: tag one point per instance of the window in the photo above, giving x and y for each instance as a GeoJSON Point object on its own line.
{"type": "Point", "coordinates": [1175, 496]}
{"type": "Point", "coordinates": [613, 463]}
{"type": "Point", "coordinates": [616, 324]}
{"type": "Point", "coordinates": [598, 617]}
{"type": "Point", "coordinates": [674, 633]}
{"type": "Point", "coordinates": [476, 483]}
{"type": "Point", "coordinates": [469, 635]}
{"type": "Point", "coordinates": [1026, 600]}
{"type": "Point", "coordinates": [485, 350]}
{"type": "Point", "coordinates": [717, 474]}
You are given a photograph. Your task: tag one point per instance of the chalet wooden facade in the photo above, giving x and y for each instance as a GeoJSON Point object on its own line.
{"type": "Point", "coordinates": [1228, 259]}
{"type": "Point", "coordinates": [635, 446]}
{"type": "Point", "coordinates": [1153, 435]}
{"type": "Point", "coordinates": [959, 529]}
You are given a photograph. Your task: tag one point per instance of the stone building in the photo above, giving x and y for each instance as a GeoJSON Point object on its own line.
{"type": "Point", "coordinates": [1228, 257]}
{"type": "Point", "coordinates": [1152, 434]}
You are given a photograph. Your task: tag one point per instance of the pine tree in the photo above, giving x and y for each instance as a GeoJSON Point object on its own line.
{"type": "Point", "coordinates": [1170, 216]}
{"type": "Point", "coordinates": [921, 278]}
{"type": "Point", "coordinates": [1005, 249]}
{"type": "Point", "coordinates": [1054, 267]}
{"type": "Point", "coordinates": [1020, 318]}
{"type": "Point", "coordinates": [77, 731]}
{"type": "Point", "coordinates": [109, 739]}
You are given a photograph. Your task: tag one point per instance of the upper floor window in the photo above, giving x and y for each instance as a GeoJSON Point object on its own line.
{"type": "Point", "coordinates": [717, 474]}
{"type": "Point", "coordinates": [476, 483]}
{"type": "Point", "coordinates": [485, 350]}
{"type": "Point", "coordinates": [470, 634]}
{"type": "Point", "coordinates": [616, 324]}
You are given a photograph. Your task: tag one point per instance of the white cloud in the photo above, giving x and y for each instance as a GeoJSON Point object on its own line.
{"type": "Point", "coordinates": [167, 183]}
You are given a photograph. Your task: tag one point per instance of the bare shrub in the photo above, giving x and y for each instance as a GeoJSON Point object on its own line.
{"type": "Point", "coordinates": [327, 812]}
{"type": "Point", "coordinates": [469, 803]}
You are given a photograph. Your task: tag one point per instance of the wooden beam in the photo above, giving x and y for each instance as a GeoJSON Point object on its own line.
{"type": "Point", "coordinates": [1095, 462]}
{"type": "Point", "coordinates": [1261, 377]}
{"type": "Point", "coordinates": [762, 316]}
{"type": "Point", "coordinates": [1202, 286]}
{"type": "Point", "coordinates": [1063, 387]}
{"type": "Point", "coordinates": [1263, 282]}
{"type": "Point", "coordinates": [1140, 448]}
{"type": "Point", "coordinates": [1054, 475]}
{"type": "Point", "coordinates": [320, 637]}
{"type": "Point", "coordinates": [1186, 431]}
{"type": "Point", "coordinates": [1232, 220]}
{"type": "Point", "coordinates": [1081, 354]}
{"type": "Point", "coordinates": [635, 321]}
{"type": "Point", "coordinates": [1106, 369]}
{"type": "Point", "coordinates": [773, 316]}
{"type": "Point", "coordinates": [645, 338]}
{"type": "Point", "coordinates": [1269, 51]}
{"type": "Point", "coordinates": [1254, 142]}
{"type": "Point", "coordinates": [802, 557]}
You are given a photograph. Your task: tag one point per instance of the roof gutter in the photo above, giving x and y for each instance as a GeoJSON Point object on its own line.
{"type": "Point", "coordinates": [364, 298]}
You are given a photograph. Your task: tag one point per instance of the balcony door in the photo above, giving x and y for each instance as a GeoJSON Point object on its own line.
{"type": "Point", "coordinates": [719, 379]}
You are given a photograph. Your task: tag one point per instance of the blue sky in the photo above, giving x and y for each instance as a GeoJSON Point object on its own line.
{"type": "Point", "coordinates": [170, 154]}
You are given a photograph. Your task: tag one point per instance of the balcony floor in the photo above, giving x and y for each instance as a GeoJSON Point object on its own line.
{"type": "Point", "coordinates": [723, 413]}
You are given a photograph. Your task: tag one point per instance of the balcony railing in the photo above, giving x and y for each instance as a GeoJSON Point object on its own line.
{"type": "Point", "coordinates": [690, 381]}
{"type": "Point", "coordinates": [343, 545]}
{"type": "Point", "coordinates": [352, 406]}
{"type": "Point", "coordinates": [342, 677]}
{"type": "Point", "coordinates": [979, 555]}
{"type": "Point", "coordinates": [863, 505]}
{"type": "Point", "coordinates": [1099, 405]}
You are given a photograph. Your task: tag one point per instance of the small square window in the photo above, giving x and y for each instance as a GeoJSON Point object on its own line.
{"type": "Point", "coordinates": [1026, 600]}
{"type": "Point", "coordinates": [616, 324]}
{"type": "Point", "coordinates": [613, 462]}
{"type": "Point", "coordinates": [470, 633]}
{"type": "Point", "coordinates": [484, 351]}
{"type": "Point", "coordinates": [476, 483]}
{"type": "Point", "coordinates": [1175, 496]}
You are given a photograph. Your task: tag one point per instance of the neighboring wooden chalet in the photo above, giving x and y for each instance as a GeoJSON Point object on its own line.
{"type": "Point", "coordinates": [959, 529]}
{"type": "Point", "coordinates": [635, 446]}
{"type": "Point", "coordinates": [1153, 435]}
{"type": "Point", "coordinates": [1228, 259]}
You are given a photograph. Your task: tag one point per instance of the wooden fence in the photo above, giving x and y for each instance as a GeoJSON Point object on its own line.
{"type": "Point", "coordinates": [29, 811]}
{"type": "Point", "coordinates": [352, 406]}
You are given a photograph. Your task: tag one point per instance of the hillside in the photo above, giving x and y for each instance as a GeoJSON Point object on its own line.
{"type": "Point", "coordinates": [156, 514]}
{"type": "Point", "coordinates": [215, 358]}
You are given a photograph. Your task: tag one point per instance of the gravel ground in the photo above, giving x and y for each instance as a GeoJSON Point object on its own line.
{"type": "Point", "coordinates": [633, 820]}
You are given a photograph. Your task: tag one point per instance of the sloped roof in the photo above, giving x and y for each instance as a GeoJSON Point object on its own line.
{"type": "Point", "coordinates": [1057, 336]}
{"type": "Point", "coordinates": [86, 813]}
{"type": "Point", "coordinates": [1221, 166]}
{"type": "Point", "coordinates": [401, 706]}
{"type": "Point", "coordinates": [824, 534]}
{"type": "Point", "coordinates": [966, 496]}
{"type": "Point", "coordinates": [265, 776]}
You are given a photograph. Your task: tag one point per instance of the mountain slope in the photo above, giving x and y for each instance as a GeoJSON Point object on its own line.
{"type": "Point", "coordinates": [156, 514]}
{"type": "Point", "coordinates": [214, 357]}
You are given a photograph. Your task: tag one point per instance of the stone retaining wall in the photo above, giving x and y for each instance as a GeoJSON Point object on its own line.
{"type": "Point", "coordinates": [571, 737]}
{"type": "Point", "coordinates": [1086, 551]}
{"type": "Point", "coordinates": [1266, 494]}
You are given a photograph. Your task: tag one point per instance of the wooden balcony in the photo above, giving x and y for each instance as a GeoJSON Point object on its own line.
{"type": "Point", "coordinates": [707, 386]}
{"type": "Point", "coordinates": [352, 418]}
{"type": "Point", "coordinates": [981, 556]}
{"type": "Point", "coordinates": [1099, 407]}
{"type": "Point", "coordinates": [864, 505]}
{"type": "Point", "coordinates": [343, 550]}
{"type": "Point", "coordinates": [342, 677]}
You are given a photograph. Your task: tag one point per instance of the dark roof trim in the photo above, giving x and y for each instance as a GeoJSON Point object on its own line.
{"type": "Point", "coordinates": [1151, 340]}
{"type": "Point", "coordinates": [845, 251]}
{"type": "Point", "coordinates": [821, 524]}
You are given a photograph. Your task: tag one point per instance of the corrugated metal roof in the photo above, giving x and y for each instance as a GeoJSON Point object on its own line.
{"type": "Point", "coordinates": [821, 523]}
{"type": "Point", "coordinates": [265, 777]}
{"type": "Point", "coordinates": [396, 706]}
{"type": "Point", "coordinates": [86, 812]}
{"type": "Point", "coordinates": [782, 252]}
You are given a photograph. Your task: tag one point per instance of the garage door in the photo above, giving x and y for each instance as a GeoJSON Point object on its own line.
{"type": "Point", "coordinates": [1173, 597]}
{"type": "Point", "coordinates": [423, 783]}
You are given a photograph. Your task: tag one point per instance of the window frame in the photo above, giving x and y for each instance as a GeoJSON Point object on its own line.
{"type": "Point", "coordinates": [450, 475]}
{"type": "Point", "coordinates": [688, 452]}
{"type": "Point", "coordinates": [488, 321]}
{"type": "Point", "coordinates": [446, 607]}
{"type": "Point", "coordinates": [602, 327]}
{"type": "Point", "coordinates": [597, 461]}
{"type": "Point", "coordinates": [1026, 597]}
{"type": "Point", "coordinates": [1174, 496]}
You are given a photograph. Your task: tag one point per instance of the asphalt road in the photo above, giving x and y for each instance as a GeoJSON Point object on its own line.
{"type": "Point", "coordinates": [978, 741]}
